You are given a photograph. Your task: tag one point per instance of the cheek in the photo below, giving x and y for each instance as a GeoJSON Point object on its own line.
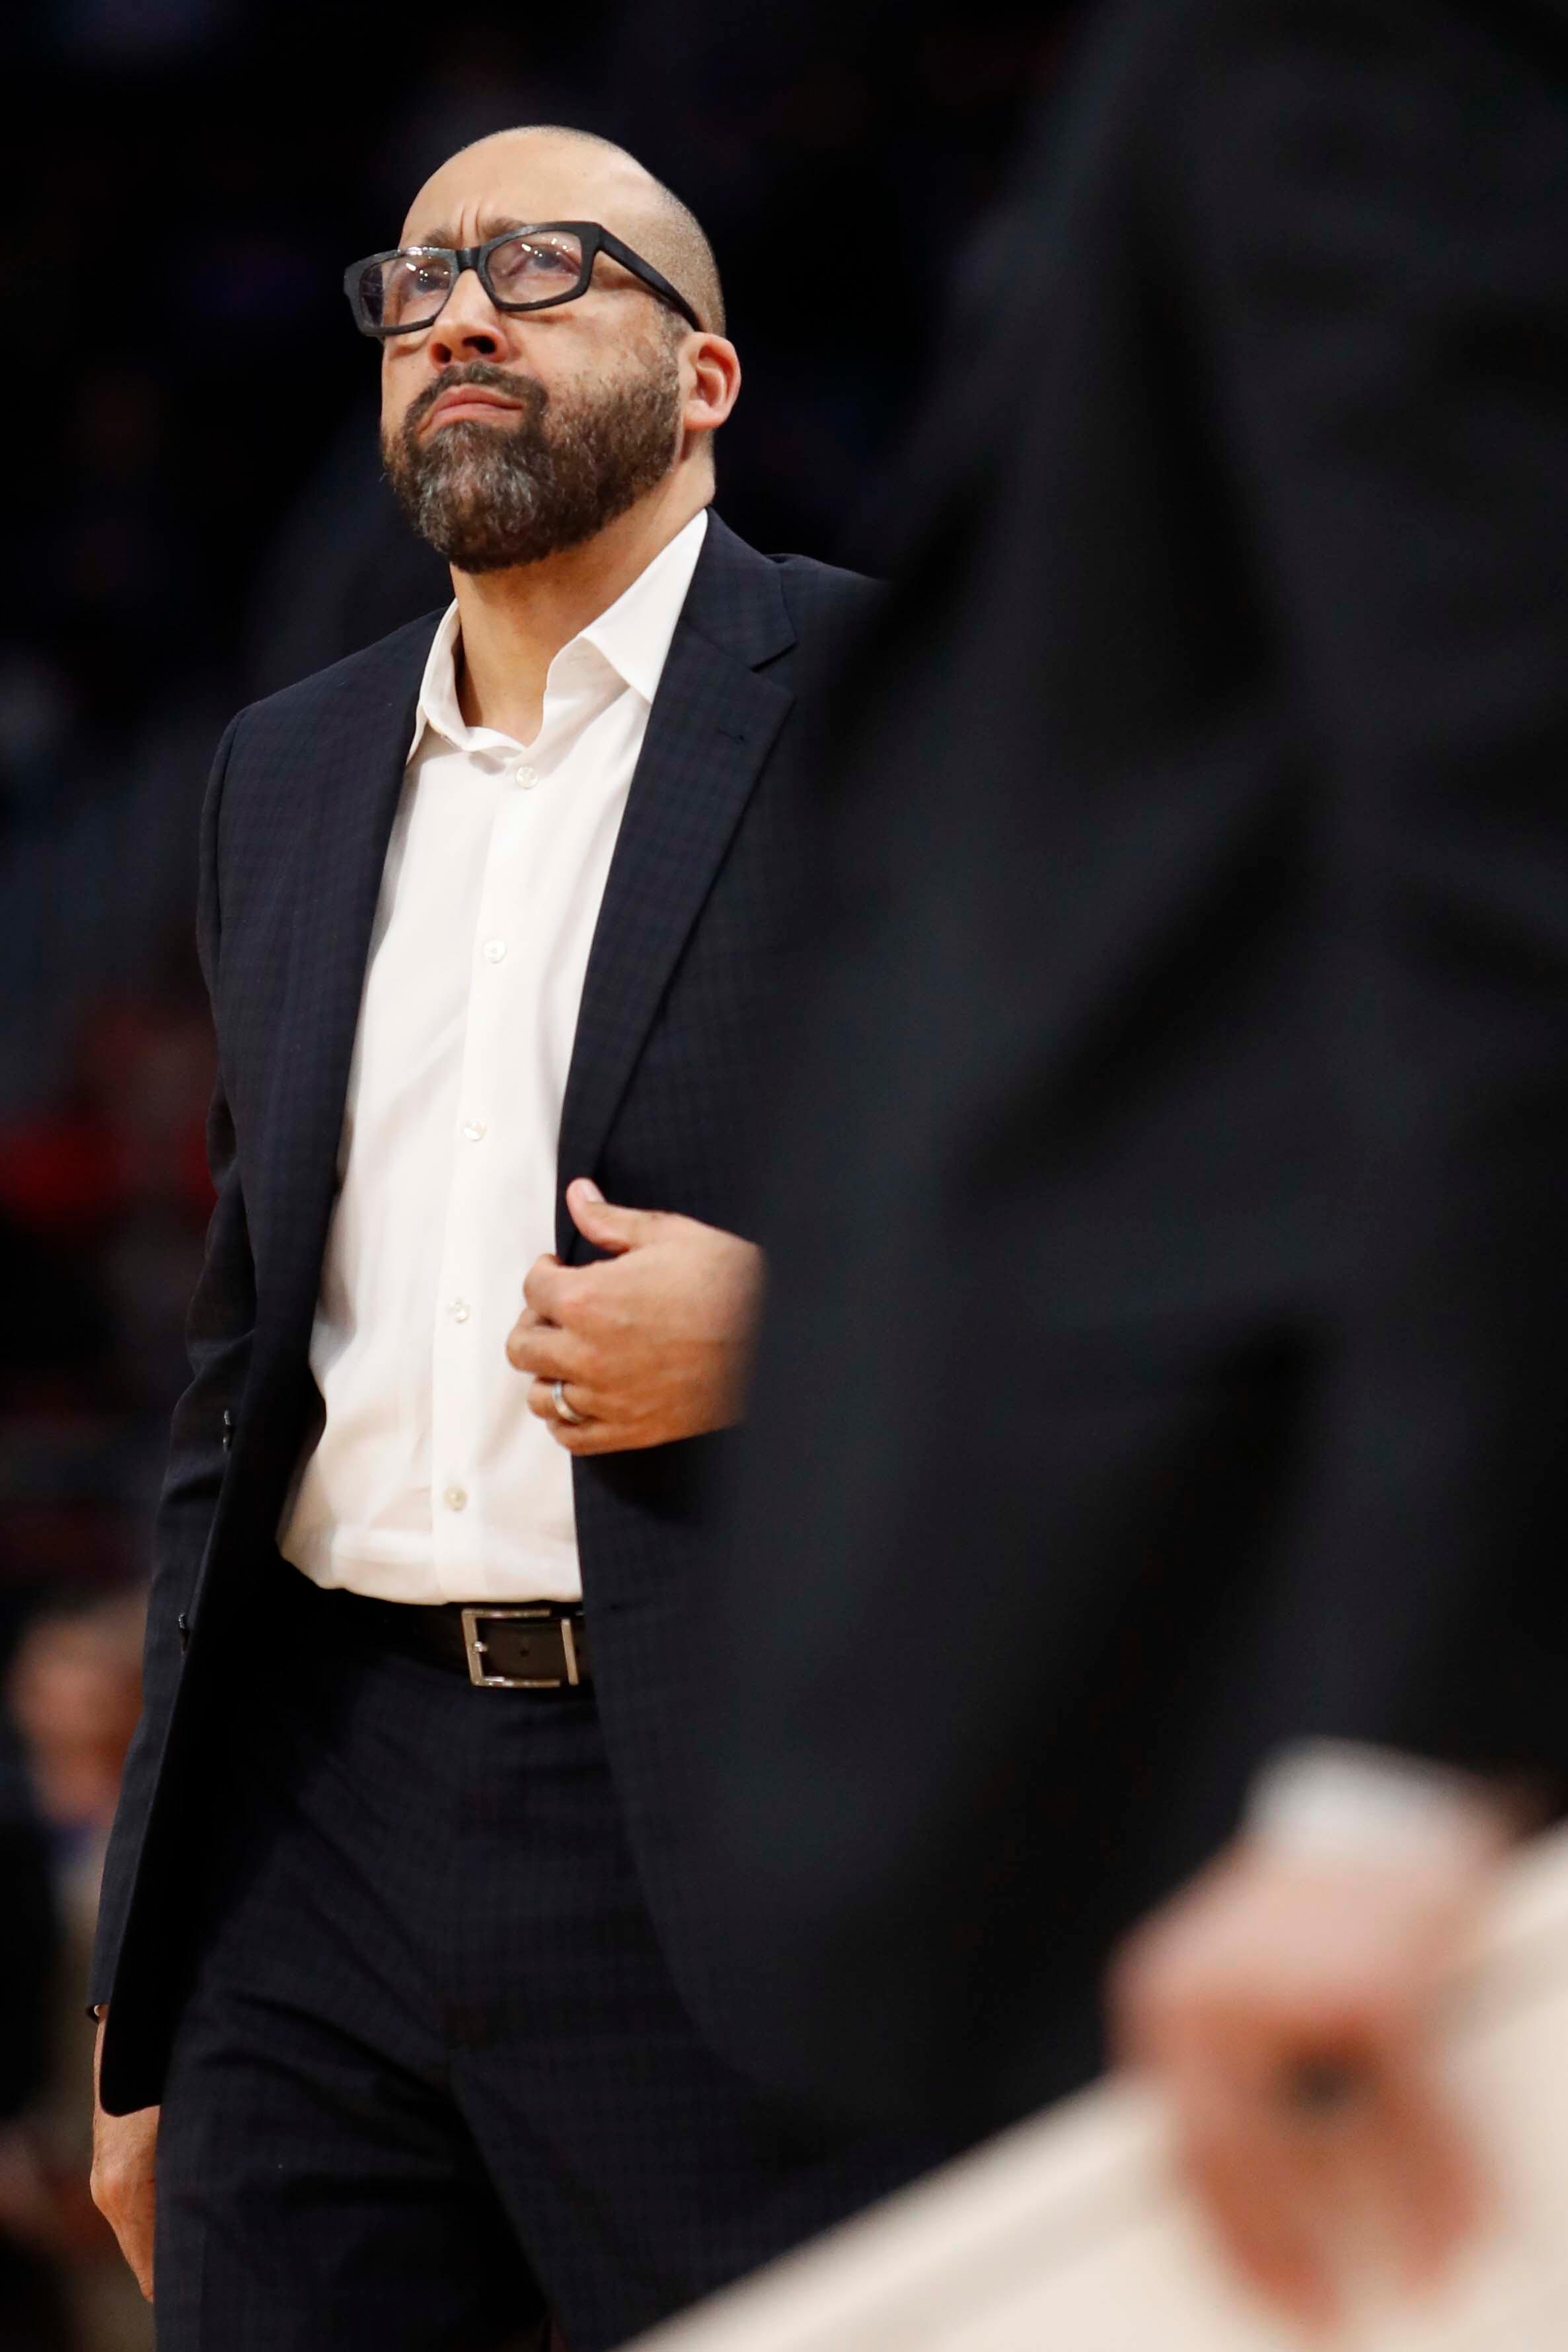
{"type": "Point", "coordinates": [399, 386]}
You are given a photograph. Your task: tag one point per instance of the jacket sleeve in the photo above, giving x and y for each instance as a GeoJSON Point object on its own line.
{"type": "Point", "coordinates": [218, 1337]}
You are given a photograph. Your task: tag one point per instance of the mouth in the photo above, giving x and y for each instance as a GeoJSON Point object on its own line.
{"type": "Point", "coordinates": [470, 400]}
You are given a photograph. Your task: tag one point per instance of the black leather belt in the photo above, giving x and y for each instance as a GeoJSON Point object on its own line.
{"type": "Point", "coordinates": [535, 1645]}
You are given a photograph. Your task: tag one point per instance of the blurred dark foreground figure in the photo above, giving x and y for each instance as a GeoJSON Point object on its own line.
{"type": "Point", "coordinates": [1166, 1364]}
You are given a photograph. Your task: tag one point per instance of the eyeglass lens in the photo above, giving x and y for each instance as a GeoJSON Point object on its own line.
{"type": "Point", "coordinates": [408, 291]}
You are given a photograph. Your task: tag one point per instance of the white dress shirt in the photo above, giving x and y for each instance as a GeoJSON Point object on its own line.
{"type": "Point", "coordinates": [431, 1480]}
{"type": "Point", "coordinates": [1338, 1801]}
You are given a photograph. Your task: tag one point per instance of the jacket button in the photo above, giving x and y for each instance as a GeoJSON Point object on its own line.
{"type": "Point", "coordinates": [228, 1430]}
{"type": "Point", "coordinates": [184, 1624]}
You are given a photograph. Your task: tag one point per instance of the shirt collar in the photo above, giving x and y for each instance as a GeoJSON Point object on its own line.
{"type": "Point", "coordinates": [632, 635]}
{"type": "Point", "coordinates": [438, 707]}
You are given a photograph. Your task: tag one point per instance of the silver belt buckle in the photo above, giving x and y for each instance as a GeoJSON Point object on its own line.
{"type": "Point", "coordinates": [475, 1648]}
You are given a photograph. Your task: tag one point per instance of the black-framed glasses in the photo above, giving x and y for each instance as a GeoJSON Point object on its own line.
{"type": "Point", "coordinates": [522, 269]}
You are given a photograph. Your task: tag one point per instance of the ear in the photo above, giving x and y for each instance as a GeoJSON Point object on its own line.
{"type": "Point", "coordinates": [710, 370]}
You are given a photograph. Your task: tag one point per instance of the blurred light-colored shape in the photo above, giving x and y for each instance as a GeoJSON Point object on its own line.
{"type": "Point", "coordinates": [1073, 2234]}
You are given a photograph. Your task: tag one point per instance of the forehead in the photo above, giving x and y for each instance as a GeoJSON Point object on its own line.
{"type": "Point", "coordinates": [507, 180]}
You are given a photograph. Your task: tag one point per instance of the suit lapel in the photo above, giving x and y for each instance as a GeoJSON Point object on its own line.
{"type": "Point", "coordinates": [713, 721]}
{"type": "Point", "coordinates": [357, 777]}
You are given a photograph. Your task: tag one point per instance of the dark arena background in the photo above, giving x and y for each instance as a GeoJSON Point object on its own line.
{"type": "Point", "coordinates": [193, 516]}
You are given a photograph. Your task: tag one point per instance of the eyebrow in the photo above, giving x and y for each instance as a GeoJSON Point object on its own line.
{"type": "Point", "coordinates": [493, 224]}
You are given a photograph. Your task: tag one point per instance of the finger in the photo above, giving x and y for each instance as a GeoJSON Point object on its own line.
{"type": "Point", "coordinates": [592, 1435]}
{"type": "Point", "coordinates": [583, 1438]}
{"type": "Point", "coordinates": [543, 1289]}
{"type": "Point", "coordinates": [1427, 2177]}
{"type": "Point", "coordinates": [607, 1227]}
{"type": "Point", "coordinates": [542, 1403]}
{"type": "Point", "coordinates": [546, 1350]}
{"type": "Point", "coordinates": [1255, 2192]}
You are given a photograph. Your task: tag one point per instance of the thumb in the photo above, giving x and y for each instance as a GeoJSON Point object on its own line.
{"type": "Point", "coordinates": [604, 1224]}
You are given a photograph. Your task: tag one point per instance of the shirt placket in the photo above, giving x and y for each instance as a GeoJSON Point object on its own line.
{"type": "Point", "coordinates": [461, 1371]}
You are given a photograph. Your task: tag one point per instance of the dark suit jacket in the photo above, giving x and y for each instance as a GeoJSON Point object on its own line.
{"type": "Point", "coordinates": [1170, 1282]}
{"type": "Point", "coordinates": [684, 964]}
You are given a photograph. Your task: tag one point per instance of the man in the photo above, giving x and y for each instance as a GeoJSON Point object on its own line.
{"type": "Point", "coordinates": [1174, 1327]}
{"type": "Point", "coordinates": [393, 1907]}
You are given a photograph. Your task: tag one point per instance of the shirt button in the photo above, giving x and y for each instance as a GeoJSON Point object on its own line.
{"type": "Point", "coordinates": [527, 778]}
{"type": "Point", "coordinates": [474, 1130]}
{"type": "Point", "coordinates": [495, 950]}
{"type": "Point", "coordinates": [458, 1310]}
{"type": "Point", "coordinates": [455, 1498]}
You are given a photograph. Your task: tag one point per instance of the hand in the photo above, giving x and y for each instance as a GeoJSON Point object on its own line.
{"type": "Point", "coordinates": [124, 2157]}
{"type": "Point", "coordinates": [1273, 1972]}
{"type": "Point", "coordinates": [653, 1344]}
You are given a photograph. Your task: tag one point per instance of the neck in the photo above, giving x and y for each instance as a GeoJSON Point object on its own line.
{"type": "Point", "coordinates": [514, 623]}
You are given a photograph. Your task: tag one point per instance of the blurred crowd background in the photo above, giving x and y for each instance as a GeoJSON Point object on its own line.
{"type": "Point", "coordinates": [195, 516]}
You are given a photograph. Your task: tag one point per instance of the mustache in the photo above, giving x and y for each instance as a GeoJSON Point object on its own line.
{"type": "Point", "coordinates": [526, 390]}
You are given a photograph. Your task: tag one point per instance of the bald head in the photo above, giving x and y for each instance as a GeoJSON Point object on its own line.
{"type": "Point", "coordinates": [545, 172]}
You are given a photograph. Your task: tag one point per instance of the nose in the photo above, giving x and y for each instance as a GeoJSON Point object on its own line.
{"type": "Point", "coordinates": [469, 327]}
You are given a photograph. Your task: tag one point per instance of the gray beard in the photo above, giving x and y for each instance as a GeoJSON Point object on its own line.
{"type": "Point", "coordinates": [487, 496]}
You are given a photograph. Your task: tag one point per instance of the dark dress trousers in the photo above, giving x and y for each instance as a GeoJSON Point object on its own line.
{"type": "Point", "coordinates": [1165, 1352]}
{"type": "Point", "coordinates": [427, 1902]}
